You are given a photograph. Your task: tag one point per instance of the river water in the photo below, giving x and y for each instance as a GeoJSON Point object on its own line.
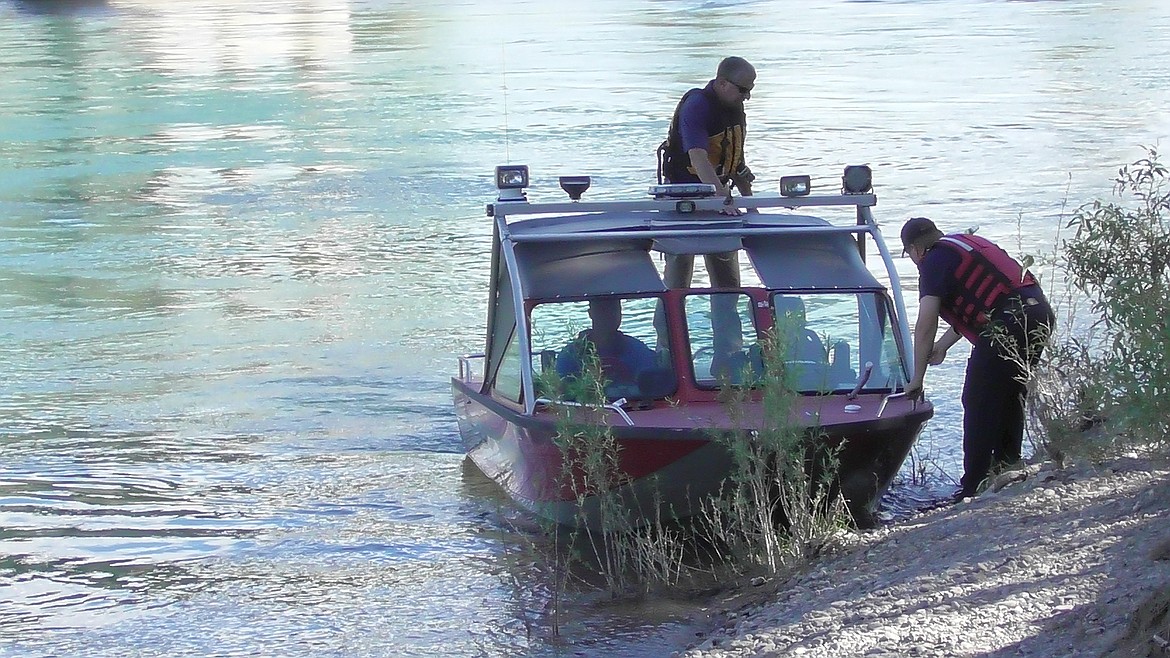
{"type": "Point", "coordinates": [241, 245]}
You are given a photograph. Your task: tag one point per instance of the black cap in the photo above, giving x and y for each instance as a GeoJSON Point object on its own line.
{"type": "Point", "coordinates": [915, 228]}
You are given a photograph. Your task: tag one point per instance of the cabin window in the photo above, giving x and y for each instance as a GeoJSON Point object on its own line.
{"type": "Point", "coordinates": [722, 336]}
{"type": "Point", "coordinates": [830, 337]}
{"type": "Point", "coordinates": [508, 382]}
{"type": "Point", "coordinates": [608, 341]}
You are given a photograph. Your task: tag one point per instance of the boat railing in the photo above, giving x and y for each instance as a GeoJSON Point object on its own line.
{"type": "Point", "coordinates": [465, 365]}
{"type": "Point", "coordinates": [615, 406]}
{"type": "Point", "coordinates": [682, 206]}
{"type": "Point", "coordinates": [894, 396]}
{"type": "Point", "coordinates": [651, 232]}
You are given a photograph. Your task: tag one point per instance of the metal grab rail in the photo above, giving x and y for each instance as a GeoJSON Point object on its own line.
{"type": "Point", "coordinates": [894, 396]}
{"type": "Point", "coordinates": [465, 365]}
{"type": "Point", "coordinates": [616, 405]}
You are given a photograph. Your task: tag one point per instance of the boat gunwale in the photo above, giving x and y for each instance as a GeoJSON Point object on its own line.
{"type": "Point", "coordinates": [542, 416]}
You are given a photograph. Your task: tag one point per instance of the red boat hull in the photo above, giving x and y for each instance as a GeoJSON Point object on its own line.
{"type": "Point", "coordinates": [670, 461]}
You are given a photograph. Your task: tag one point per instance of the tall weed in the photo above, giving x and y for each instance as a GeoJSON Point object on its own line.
{"type": "Point", "coordinates": [780, 504]}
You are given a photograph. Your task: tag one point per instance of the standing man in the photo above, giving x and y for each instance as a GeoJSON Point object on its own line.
{"type": "Point", "coordinates": [987, 298]}
{"type": "Point", "coordinates": [705, 145]}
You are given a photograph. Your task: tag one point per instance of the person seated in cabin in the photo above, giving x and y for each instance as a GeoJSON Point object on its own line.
{"type": "Point", "coordinates": [803, 344]}
{"type": "Point", "coordinates": [621, 357]}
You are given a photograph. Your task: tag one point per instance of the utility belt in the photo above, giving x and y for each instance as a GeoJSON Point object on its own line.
{"type": "Point", "coordinates": [1024, 301]}
{"type": "Point", "coordinates": [1033, 296]}
{"type": "Point", "coordinates": [1022, 298]}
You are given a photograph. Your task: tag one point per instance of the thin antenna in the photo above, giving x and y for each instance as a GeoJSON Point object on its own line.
{"type": "Point", "coordinates": [504, 75]}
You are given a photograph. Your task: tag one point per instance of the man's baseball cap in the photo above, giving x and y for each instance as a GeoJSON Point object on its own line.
{"type": "Point", "coordinates": [915, 228]}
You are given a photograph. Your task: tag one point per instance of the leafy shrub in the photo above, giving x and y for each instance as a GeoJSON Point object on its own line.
{"type": "Point", "coordinates": [1108, 390]}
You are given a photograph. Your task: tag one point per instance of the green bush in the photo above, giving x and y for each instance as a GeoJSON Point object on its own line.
{"type": "Point", "coordinates": [1119, 257]}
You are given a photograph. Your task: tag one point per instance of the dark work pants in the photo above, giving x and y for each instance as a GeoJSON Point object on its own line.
{"type": "Point", "coordinates": [996, 386]}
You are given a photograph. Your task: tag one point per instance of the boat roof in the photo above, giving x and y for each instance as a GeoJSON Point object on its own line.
{"type": "Point", "coordinates": [605, 248]}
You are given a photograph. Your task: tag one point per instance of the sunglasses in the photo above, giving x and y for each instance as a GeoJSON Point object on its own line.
{"type": "Point", "coordinates": [742, 89]}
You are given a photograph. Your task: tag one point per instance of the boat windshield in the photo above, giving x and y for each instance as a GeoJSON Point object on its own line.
{"type": "Point", "coordinates": [829, 340]}
{"type": "Point", "coordinates": [610, 341]}
{"type": "Point", "coordinates": [838, 337]}
{"type": "Point", "coordinates": [722, 337]}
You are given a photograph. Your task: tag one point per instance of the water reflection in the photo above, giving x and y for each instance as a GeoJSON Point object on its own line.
{"type": "Point", "coordinates": [209, 38]}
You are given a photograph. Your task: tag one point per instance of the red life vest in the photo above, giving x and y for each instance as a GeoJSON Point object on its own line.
{"type": "Point", "coordinates": [986, 275]}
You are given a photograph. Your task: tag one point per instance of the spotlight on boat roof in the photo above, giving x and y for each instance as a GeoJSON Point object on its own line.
{"type": "Point", "coordinates": [575, 186]}
{"type": "Point", "coordinates": [858, 179]}
{"type": "Point", "coordinates": [795, 185]}
{"type": "Point", "coordinates": [681, 190]}
{"type": "Point", "coordinates": [511, 181]}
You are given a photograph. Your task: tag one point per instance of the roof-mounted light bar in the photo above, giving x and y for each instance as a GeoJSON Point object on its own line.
{"type": "Point", "coordinates": [682, 191]}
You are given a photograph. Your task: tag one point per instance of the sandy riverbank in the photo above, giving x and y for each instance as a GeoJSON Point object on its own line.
{"type": "Point", "coordinates": [1071, 562]}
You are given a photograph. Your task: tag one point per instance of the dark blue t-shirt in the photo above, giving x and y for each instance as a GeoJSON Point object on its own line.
{"type": "Point", "coordinates": [622, 365]}
{"type": "Point", "coordinates": [696, 120]}
{"type": "Point", "coordinates": [703, 122]}
{"type": "Point", "coordinates": [936, 274]}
